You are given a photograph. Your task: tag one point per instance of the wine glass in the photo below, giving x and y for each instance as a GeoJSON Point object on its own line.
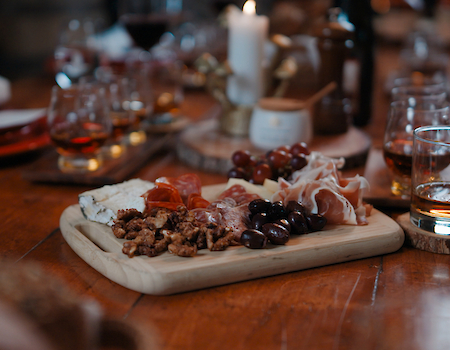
{"type": "Point", "coordinates": [404, 117]}
{"type": "Point", "coordinates": [147, 20]}
{"type": "Point", "coordinates": [79, 125]}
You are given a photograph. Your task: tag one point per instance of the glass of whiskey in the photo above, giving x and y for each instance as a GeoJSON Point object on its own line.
{"type": "Point", "coordinates": [430, 179]}
{"type": "Point", "coordinates": [405, 116]}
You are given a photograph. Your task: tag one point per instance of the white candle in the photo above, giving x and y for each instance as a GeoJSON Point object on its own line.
{"type": "Point", "coordinates": [246, 38]}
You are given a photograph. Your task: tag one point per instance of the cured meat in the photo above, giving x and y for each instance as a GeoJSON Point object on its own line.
{"type": "Point", "coordinates": [239, 194]}
{"type": "Point", "coordinates": [171, 192]}
{"type": "Point", "coordinates": [185, 184]}
{"type": "Point", "coordinates": [162, 195]}
{"type": "Point", "coordinates": [320, 187]}
{"type": "Point", "coordinates": [195, 200]}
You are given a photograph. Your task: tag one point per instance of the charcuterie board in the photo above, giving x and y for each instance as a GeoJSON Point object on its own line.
{"type": "Point", "coordinates": [169, 274]}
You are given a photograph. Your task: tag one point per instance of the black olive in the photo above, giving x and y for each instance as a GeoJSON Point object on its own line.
{"type": "Point", "coordinates": [259, 220]}
{"type": "Point", "coordinates": [276, 234]}
{"type": "Point", "coordinates": [254, 239]}
{"type": "Point", "coordinates": [299, 224]}
{"type": "Point", "coordinates": [284, 223]}
{"type": "Point", "coordinates": [259, 206]}
{"type": "Point", "coordinates": [316, 222]}
{"type": "Point", "coordinates": [295, 206]}
{"type": "Point", "coordinates": [277, 211]}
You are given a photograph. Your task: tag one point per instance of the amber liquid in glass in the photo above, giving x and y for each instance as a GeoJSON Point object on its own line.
{"type": "Point", "coordinates": [92, 138]}
{"type": "Point", "coordinates": [398, 156]}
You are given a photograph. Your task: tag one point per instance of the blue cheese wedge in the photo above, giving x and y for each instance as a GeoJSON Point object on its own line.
{"type": "Point", "coordinates": [101, 204]}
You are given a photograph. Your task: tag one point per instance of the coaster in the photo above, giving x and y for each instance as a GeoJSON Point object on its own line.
{"type": "Point", "coordinates": [421, 239]}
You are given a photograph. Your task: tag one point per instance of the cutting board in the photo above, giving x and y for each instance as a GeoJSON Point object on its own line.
{"type": "Point", "coordinates": [170, 274]}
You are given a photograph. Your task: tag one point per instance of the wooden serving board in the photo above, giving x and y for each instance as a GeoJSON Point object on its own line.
{"type": "Point", "coordinates": [169, 274]}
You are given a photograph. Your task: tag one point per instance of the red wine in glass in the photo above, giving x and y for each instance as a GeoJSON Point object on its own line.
{"type": "Point", "coordinates": [146, 30]}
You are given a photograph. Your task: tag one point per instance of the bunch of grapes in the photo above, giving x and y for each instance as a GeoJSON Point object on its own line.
{"type": "Point", "coordinates": [280, 162]}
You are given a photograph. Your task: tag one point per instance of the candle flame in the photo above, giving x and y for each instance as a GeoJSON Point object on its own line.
{"type": "Point", "coordinates": [249, 7]}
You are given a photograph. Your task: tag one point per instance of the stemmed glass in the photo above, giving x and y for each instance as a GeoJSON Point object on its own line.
{"type": "Point", "coordinates": [147, 20]}
{"type": "Point", "coordinates": [79, 126]}
{"type": "Point", "coordinates": [404, 117]}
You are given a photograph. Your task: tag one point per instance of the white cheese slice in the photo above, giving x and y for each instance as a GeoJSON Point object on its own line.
{"type": "Point", "coordinates": [101, 204]}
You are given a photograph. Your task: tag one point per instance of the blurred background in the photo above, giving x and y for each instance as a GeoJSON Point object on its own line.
{"type": "Point", "coordinates": [30, 30]}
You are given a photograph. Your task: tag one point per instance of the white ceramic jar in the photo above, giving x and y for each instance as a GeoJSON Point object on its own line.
{"type": "Point", "coordinates": [277, 121]}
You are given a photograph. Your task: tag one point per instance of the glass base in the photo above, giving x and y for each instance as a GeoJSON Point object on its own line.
{"type": "Point", "coordinates": [437, 225]}
{"type": "Point", "coordinates": [79, 164]}
{"type": "Point", "coordinates": [114, 150]}
{"type": "Point", "coordinates": [137, 137]}
{"type": "Point", "coordinates": [401, 188]}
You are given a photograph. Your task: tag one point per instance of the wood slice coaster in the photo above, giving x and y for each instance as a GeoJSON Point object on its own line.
{"type": "Point", "coordinates": [421, 239]}
{"type": "Point", "coordinates": [203, 146]}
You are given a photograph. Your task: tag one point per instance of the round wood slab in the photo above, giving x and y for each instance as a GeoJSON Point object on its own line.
{"type": "Point", "coordinates": [421, 239]}
{"type": "Point", "coordinates": [204, 147]}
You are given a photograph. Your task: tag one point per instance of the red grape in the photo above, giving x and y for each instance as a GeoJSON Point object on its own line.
{"type": "Point", "coordinates": [241, 158]}
{"type": "Point", "coordinates": [299, 147]}
{"type": "Point", "coordinates": [237, 173]}
{"type": "Point", "coordinates": [278, 159]}
{"type": "Point", "coordinates": [284, 148]}
{"type": "Point", "coordinates": [260, 173]}
{"type": "Point", "coordinates": [298, 161]}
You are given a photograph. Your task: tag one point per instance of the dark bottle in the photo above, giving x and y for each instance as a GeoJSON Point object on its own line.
{"type": "Point", "coordinates": [360, 14]}
{"type": "Point", "coordinates": [331, 114]}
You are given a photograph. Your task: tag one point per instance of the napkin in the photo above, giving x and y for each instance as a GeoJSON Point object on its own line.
{"type": "Point", "coordinates": [16, 117]}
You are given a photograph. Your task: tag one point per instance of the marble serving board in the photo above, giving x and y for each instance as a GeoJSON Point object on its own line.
{"type": "Point", "coordinates": [169, 274]}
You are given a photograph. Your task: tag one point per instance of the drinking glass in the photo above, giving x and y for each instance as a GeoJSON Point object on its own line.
{"type": "Point", "coordinates": [141, 101]}
{"type": "Point", "coordinates": [79, 125]}
{"type": "Point", "coordinates": [74, 56]}
{"type": "Point", "coordinates": [147, 20]}
{"type": "Point", "coordinates": [118, 95]}
{"type": "Point", "coordinates": [166, 79]}
{"type": "Point", "coordinates": [404, 117]}
{"type": "Point", "coordinates": [430, 202]}
{"type": "Point", "coordinates": [430, 93]}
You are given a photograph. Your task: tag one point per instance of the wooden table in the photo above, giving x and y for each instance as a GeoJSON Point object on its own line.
{"type": "Point", "coordinates": [395, 301]}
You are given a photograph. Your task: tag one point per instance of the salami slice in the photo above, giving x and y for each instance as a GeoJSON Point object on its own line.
{"type": "Point", "coordinates": [195, 201]}
{"type": "Point", "coordinates": [239, 194]}
{"type": "Point", "coordinates": [185, 184]}
{"type": "Point", "coordinates": [163, 195]}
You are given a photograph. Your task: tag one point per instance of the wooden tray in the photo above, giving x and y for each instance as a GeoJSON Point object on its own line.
{"type": "Point", "coordinates": [169, 274]}
{"type": "Point", "coordinates": [45, 169]}
{"type": "Point", "coordinates": [377, 173]}
{"type": "Point", "coordinates": [203, 146]}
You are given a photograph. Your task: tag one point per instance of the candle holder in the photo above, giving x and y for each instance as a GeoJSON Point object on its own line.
{"type": "Point", "coordinates": [235, 119]}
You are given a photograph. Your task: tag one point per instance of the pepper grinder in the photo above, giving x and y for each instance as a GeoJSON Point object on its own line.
{"type": "Point", "coordinates": [334, 41]}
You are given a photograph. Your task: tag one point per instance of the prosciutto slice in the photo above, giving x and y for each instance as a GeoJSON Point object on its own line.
{"type": "Point", "coordinates": [230, 209]}
{"type": "Point", "coordinates": [320, 187]}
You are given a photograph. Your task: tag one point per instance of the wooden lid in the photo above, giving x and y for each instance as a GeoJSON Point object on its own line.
{"type": "Point", "coordinates": [281, 104]}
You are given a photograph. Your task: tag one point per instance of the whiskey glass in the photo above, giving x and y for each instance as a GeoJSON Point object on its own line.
{"type": "Point", "coordinates": [118, 96]}
{"type": "Point", "coordinates": [430, 202]}
{"type": "Point", "coordinates": [404, 116]}
{"type": "Point", "coordinates": [79, 126]}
